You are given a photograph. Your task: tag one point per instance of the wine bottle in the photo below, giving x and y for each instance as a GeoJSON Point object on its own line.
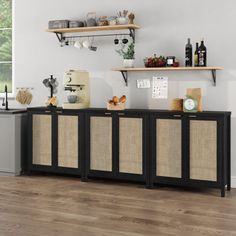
{"type": "Point", "coordinates": [196, 55]}
{"type": "Point", "coordinates": [188, 54]}
{"type": "Point", "coordinates": [202, 54]}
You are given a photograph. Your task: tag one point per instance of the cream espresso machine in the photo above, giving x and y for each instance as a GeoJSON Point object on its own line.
{"type": "Point", "coordinates": [77, 83]}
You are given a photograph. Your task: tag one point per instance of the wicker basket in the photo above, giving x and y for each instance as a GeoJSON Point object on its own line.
{"type": "Point", "coordinates": [118, 107]}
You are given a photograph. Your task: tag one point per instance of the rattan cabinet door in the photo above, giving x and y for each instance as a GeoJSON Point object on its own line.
{"type": "Point", "coordinates": [131, 145]}
{"type": "Point", "coordinates": [101, 143]}
{"type": "Point", "coordinates": [68, 147]}
{"type": "Point", "coordinates": [203, 150]}
{"type": "Point", "coordinates": [169, 148]}
{"type": "Point", "coordinates": [42, 140]}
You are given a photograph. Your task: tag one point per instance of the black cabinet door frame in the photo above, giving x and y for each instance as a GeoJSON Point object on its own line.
{"type": "Point", "coordinates": [54, 130]}
{"type": "Point", "coordinates": [88, 171]}
{"type": "Point", "coordinates": [163, 179]}
{"type": "Point", "coordinates": [145, 141]}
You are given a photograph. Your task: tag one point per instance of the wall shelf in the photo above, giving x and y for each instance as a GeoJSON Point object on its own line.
{"type": "Point", "coordinates": [124, 71]}
{"type": "Point", "coordinates": [60, 33]}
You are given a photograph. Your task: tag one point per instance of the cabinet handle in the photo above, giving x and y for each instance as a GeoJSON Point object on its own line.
{"type": "Point", "coordinates": [108, 113]}
{"type": "Point", "coordinates": [47, 111]}
{"type": "Point", "coordinates": [121, 114]}
{"type": "Point", "coordinates": [177, 116]}
{"type": "Point", "coordinates": [59, 112]}
{"type": "Point", "coordinates": [192, 116]}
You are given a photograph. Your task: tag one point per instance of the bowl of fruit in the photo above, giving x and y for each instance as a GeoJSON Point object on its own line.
{"type": "Point", "coordinates": [155, 61]}
{"type": "Point", "coordinates": [116, 103]}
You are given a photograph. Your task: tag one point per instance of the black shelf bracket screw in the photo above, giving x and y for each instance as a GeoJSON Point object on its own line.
{"type": "Point", "coordinates": [214, 77]}
{"type": "Point", "coordinates": [125, 76]}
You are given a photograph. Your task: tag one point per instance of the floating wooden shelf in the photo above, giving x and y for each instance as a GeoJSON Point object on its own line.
{"type": "Point", "coordinates": [125, 71]}
{"type": "Point", "coordinates": [61, 32]}
{"type": "Point", "coordinates": [95, 28]}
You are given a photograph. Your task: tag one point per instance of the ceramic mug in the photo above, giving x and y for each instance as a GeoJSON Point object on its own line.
{"type": "Point", "coordinates": [72, 98]}
{"type": "Point", "coordinates": [78, 45]}
{"type": "Point", "coordinates": [87, 44]}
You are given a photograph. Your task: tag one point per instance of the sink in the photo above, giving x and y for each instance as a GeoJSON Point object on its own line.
{"type": "Point", "coordinates": [12, 111]}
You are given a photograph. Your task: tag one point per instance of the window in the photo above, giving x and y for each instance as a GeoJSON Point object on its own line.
{"type": "Point", "coordinates": [5, 45]}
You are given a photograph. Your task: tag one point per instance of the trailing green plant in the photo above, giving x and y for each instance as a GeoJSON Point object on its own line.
{"type": "Point", "coordinates": [127, 53]}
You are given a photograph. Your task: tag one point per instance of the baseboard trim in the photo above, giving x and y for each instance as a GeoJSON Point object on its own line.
{"type": "Point", "coordinates": [233, 181]}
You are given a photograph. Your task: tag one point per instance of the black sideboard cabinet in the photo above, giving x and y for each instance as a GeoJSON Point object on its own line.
{"type": "Point", "coordinates": [149, 146]}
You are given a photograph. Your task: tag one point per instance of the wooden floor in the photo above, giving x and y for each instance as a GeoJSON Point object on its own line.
{"type": "Point", "coordinates": [55, 206]}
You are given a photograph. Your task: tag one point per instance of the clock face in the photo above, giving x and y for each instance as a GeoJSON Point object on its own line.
{"type": "Point", "coordinates": [189, 104]}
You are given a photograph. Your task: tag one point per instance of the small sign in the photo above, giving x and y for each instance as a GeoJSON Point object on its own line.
{"type": "Point", "coordinates": [143, 83]}
{"type": "Point", "coordinates": [160, 87]}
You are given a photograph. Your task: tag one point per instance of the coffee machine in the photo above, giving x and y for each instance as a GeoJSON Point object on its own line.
{"type": "Point", "coordinates": [76, 82]}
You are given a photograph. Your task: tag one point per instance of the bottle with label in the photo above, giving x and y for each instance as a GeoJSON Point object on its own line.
{"type": "Point", "coordinates": [188, 54]}
{"type": "Point", "coordinates": [196, 55]}
{"type": "Point", "coordinates": [202, 54]}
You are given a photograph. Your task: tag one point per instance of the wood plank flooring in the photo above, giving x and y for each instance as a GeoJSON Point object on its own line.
{"type": "Point", "coordinates": [62, 206]}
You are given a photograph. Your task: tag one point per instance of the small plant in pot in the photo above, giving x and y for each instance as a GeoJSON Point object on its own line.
{"type": "Point", "coordinates": [128, 55]}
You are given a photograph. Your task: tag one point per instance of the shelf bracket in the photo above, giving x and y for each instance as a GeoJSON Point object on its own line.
{"type": "Point", "coordinates": [60, 37]}
{"type": "Point", "coordinates": [214, 77]}
{"type": "Point", "coordinates": [125, 77]}
{"type": "Point", "coordinates": [132, 34]}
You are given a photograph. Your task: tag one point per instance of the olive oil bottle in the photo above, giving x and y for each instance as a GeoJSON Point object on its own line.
{"type": "Point", "coordinates": [196, 55]}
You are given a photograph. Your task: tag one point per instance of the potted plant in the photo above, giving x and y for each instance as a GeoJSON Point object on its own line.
{"type": "Point", "coordinates": [128, 55]}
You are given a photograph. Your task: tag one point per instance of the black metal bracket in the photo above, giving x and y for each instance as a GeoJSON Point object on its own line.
{"type": "Point", "coordinates": [214, 77]}
{"type": "Point", "coordinates": [62, 38]}
{"type": "Point", "coordinates": [125, 76]}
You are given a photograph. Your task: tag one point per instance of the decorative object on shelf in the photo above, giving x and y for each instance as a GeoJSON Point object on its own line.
{"type": "Point", "coordinates": [117, 104]}
{"type": "Point", "coordinates": [102, 21]}
{"type": "Point", "coordinates": [91, 19]}
{"type": "Point", "coordinates": [112, 20]}
{"type": "Point", "coordinates": [177, 104]}
{"type": "Point", "coordinates": [188, 54]}
{"type": "Point", "coordinates": [170, 60]}
{"type": "Point", "coordinates": [190, 104]}
{"type": "Point", "coordinates": [58, 24]}
{"type": "Point", "coordinates": [196, 93]}
{"type": "Point", "coordinates": [122, 17]}
{"type": "Point", "coordinates": [128, 55]}
{"type": "Point", "coordinates": [76, 24]}
{"type": "Point", "coordinates": [155, 61]}
{"type": "Point", "coordinates": [131, 17]}
{"type": "Point", "coordinates": [52, 84]}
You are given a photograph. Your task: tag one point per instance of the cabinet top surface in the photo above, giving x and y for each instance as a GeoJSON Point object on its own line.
{"type": "Point", "coordinates": [42, 109]}
{"type": "Point", "coordinates": [12, 111]}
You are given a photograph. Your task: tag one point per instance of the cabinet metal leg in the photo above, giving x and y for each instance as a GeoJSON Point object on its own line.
{"type": "Point", "coordinates": [84, 179]}
{"type": "Point", "coordinates": [223, 191]}
{"type": "Point", "coordinates": [228, 186]}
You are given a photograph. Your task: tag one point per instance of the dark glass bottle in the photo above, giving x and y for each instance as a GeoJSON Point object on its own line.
{"type": "Point", "coordinates": [188, 54]}
{"type": "Point", "coordinates": [196, 55]}
{"type": "Point", "coordinates": [202, 54]}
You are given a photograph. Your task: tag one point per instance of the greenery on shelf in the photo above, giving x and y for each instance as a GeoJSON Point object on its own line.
{"type": "Point", "coordinates": [5, 44]}
{"type": "Point", "coordinates": [127, 53]}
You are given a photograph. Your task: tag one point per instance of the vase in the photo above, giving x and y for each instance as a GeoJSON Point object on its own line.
{"type": "Point", "coordinates": [128, 63]}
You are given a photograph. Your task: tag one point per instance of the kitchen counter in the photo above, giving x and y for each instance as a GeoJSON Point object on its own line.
{"type": "Point", "coordinates": [12, 111]}
{"type": "Point", "coordinates": [126, 110]}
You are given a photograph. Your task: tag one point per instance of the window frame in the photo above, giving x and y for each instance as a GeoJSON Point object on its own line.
{"type": "Point", "coordinates": [12, 93]}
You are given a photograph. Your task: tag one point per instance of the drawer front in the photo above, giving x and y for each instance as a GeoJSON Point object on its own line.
{"type": "Point", "coordinates": [131, 145]}
{"type": "Point", "coordinates": [68, 141]}
{"type": "Point", "coordinates": [169, 148]}
{"type": "Point", "coordinates": [101, 143]}
{"type": "Point", "coordinates": [42, 139]}
{"type": "Point", "coordinates": [203, 150]}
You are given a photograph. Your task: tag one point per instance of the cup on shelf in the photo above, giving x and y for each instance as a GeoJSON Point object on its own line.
{"type": "Point", "coordinates": [78, 44]}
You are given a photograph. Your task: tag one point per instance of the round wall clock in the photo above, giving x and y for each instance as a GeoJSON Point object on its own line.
{"type": "Point", "coordinates": [190, 104]}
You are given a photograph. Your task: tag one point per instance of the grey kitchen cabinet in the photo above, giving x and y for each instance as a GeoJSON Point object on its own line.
{"type": "Point", "coordinates": [13, 140]}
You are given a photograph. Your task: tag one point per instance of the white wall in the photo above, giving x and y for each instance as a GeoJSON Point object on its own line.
{"type": "Point", "coordinates": [166, 25]}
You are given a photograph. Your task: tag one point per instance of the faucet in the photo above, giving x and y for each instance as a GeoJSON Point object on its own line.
{"type": "Point", "coordinates": [5, 100]}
